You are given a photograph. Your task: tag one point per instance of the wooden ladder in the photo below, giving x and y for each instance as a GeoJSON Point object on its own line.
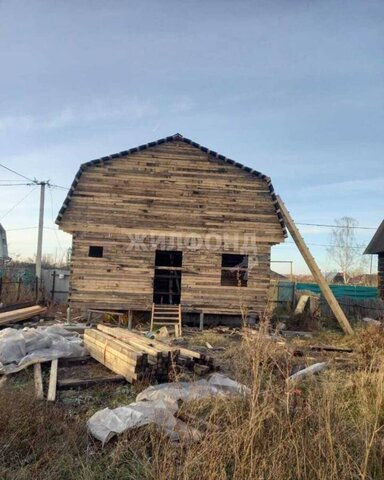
{"type": "Point", "coordinates": [167, 315]}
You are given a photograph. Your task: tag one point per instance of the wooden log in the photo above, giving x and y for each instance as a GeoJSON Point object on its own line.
{"type": "Point", "coordinates": [21, 314]}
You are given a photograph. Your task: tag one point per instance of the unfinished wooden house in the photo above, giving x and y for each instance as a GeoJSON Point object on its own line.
{"type": "Point", "coordinates": [171, 223]}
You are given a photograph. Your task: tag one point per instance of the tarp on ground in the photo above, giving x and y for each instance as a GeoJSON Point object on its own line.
{"type": "Point", "coordinates": [20, 348]}
{"type": "Point", "coordinates": [158, 404]}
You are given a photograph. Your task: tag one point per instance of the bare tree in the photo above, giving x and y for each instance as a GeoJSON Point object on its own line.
{"type": "Point", "coordinates": [344, 249]}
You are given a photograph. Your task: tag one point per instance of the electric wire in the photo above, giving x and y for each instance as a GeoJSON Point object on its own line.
{"type": "Point", "coordinates": [17, 173]}
{"type": "Point", "coordinates": [18, 203]}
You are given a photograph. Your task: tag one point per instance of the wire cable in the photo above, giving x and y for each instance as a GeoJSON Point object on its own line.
{"type": "Point", "coordinates": [18, 203]}
{"type": "Point", "coordinates": [334, 226]}
{"type": "Point", "coordinates": [17, 173]}
{"type": "Point", "coordinates": [59, 186]}
{"type": "Point", "coordinates": [15, 184]}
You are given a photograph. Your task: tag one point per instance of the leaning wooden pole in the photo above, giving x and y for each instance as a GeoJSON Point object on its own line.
{"type": "Point", "coordinates": [312, 265]}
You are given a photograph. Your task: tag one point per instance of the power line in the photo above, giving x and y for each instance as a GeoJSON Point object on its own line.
{"type": "Point", "coordinates": [17, 173]}
{"type": "Point", "coordinates": [18, 203]}
{"type": "Point", "coordinates": [58, 186]}
{"type": "Point", "coordinates": [9, 180]}
{"type": "Point", "coordinates": [21, 228]}
{"type": "Point", "coordinates": [335, 226]}
{"type": "Point", "coordinates": [322, 245]}
{"type": "Point", "coordinates": [15, 184]}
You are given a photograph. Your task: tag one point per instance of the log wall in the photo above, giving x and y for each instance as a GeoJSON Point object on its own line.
{"type": "Point", "coordinates": [169, 195]}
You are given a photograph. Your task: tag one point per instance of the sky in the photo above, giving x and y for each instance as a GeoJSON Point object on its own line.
{"type": "Point", "coordinates": [293, 89]}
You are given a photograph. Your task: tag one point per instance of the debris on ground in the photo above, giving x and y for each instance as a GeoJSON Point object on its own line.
{"type": "Point", "coordinates": [371, 321]}
{"type": "Point", "coordinates": [158, 404]}
{"type": "Point", "coordinates": [312, 369]}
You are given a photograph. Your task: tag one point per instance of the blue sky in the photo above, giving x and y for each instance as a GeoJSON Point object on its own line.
{"type": "Point", "coordinates": [291, 88]}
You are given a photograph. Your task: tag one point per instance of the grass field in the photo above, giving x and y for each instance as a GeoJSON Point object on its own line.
{"type": "Point", "coordinates": [328, 427]}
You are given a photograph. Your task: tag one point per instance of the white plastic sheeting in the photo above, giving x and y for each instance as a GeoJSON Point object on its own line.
{"type": "Point", "coordinates": [20, 348]}
{"type": "Point", "coordinates": [217, 385]}
{"type": "Point", "coordinates": [158, 404]}
{"type": "Point", "coordinates": [107, 423]}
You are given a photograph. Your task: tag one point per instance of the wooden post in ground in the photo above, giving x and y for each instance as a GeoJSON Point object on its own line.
{"type": "Point", "coordinates": [312, 265]}
{"type": "Point", "coordinates": [201, 323]}
{"type": "Point", "coordinates": [39, 394]}
{"type": "Point", "coordinates": [51, 397]}
{"type": "Point", "coordinates": [129, 319]}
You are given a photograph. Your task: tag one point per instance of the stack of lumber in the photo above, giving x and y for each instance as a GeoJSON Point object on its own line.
{"type": "Point", "coordinates": [137, 357]}
{"type": "Point", "coordinates": [21, 314]}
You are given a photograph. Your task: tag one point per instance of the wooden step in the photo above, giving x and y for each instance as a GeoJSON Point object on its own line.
{"type": "Point", "coordinates": [167, 315]}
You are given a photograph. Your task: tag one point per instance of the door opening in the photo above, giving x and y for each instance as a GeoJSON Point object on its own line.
{"type": "Point", "coordinates": [167, 277]}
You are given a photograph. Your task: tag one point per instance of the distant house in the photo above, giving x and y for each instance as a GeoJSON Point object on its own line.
{"type": "Point", "coordinates": [338, 278]}
{"type": "Point", "coordinates": [278, 276]}
{"type": "Point", "coordinates": [171, 222]}
{"type": "Point", "coordinates": [3, 244]}
{"type": "Point", "coordinates": [376, 247]}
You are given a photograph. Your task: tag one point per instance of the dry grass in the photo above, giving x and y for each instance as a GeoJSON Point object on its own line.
{"type": "Point", "coordinates": [329, 428]}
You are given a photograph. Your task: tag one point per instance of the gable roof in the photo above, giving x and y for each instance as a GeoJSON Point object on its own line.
{"type": "Point", "coordinates": [376, 245]}
{"type": "Point", "coordinates": [173, 138]}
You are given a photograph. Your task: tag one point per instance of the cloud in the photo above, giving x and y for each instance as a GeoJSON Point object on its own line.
{"type": "Point", "coordinates": [97, 111]}
{"type": "Point", "coordinates": [347, 187]}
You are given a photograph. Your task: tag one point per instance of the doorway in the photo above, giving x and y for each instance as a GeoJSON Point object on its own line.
{"type": "Point", "coordinates": [167, 277]}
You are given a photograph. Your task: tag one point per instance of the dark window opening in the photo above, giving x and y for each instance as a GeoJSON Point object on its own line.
{"type": "Point", "coordinates": [95, 251]}
{"type": "Point", "coordinates": [234, 270]}
{"type": "Point", "coordinates": [166, 258]}
{"type": "Point", "coordinates": [167, 278]}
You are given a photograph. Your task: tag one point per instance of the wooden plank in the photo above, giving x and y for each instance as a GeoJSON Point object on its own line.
{"type": "Point", "coordinates": [21, 314]}
{"type": "Point", "coordinates": [315, 270]}
{"type": "Point", "coordinates": [66, 384]}
{"type": "Point", "coordinates": [330, 348]}
{"type": "Point", "coordinates": [51, 396]}
{"type": "Point", "coordinates": [39, 394]}
{"type": "Point", "coordinates": [301, 304]}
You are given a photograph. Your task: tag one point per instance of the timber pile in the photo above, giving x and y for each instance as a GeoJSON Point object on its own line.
{"type": "Point", "coordinates": [21, 314]}
{"type": "Point", "coordinates": [137, 357]}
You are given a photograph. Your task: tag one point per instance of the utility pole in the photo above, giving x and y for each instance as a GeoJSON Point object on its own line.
{"type": "Point", "coordinates": [40, 232]}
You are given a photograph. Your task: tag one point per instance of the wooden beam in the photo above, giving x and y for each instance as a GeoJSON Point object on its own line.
{"type": "Point", "coordinates": [315, 270]}
{"type": "Point", "coordinates": [88, 382]}
{"type": "Point", "coordinates": [39, 394]}
{"type": "Point", "coordinates": [51, 397]}
{"type": "Point", "coordinates": [21, 314]}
